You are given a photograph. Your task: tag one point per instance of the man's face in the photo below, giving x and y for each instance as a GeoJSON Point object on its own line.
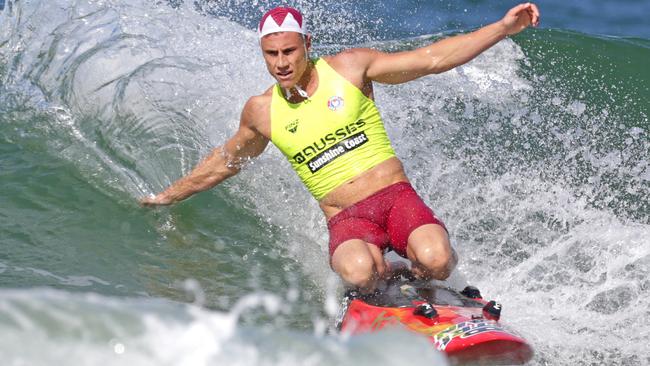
{"type": "Point", "coordinates": [285, 54]}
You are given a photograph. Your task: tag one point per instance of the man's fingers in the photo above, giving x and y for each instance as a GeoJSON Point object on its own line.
{"type": "Point", "coordinates": [536, 15]}
{"type": "Point", "coordinates": [528, 9]}
{"type": "Point", "coordinates": [533, 13]}
{"type": "Point", "coordinates": [517, 9]}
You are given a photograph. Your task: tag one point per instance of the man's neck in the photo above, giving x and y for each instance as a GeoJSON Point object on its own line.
{"type": "Point", "coordinates": [305, 87]}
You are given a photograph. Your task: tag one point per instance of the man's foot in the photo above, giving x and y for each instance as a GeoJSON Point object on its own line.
{"type": "Point", "coordinates": [421, 273]}
{"type": "Point", "coordinates": [395, 270]}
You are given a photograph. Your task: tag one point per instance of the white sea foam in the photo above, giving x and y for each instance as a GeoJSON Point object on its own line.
{"type": "Point", "coordinates": [44, 327]}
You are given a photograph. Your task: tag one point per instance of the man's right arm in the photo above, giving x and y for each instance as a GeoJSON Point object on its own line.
{"type": "Point", "coordinates": [223, 162]}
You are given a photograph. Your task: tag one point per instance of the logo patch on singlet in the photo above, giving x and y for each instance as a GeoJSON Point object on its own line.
{"type": "Point", "coordinates": [335, 103]}
{"type": "Point", "coordinates": [292, 126]}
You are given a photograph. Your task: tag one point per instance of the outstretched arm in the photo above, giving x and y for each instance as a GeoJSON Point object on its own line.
{"type": "Point", "coordinates": [400, 67]}
{"type": "Point", "coordinates": [223, 162]}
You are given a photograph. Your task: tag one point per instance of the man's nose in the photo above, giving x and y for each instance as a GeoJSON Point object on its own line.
{"type": "Point", "coordinates": [282, 61]}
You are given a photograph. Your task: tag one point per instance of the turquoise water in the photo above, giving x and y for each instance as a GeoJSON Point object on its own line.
{"type": "Point", "coordinates": [535, 154]}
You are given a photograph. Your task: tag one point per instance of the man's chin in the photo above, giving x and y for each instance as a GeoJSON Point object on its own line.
{"type": "Point", "coordinates": [286, 84]}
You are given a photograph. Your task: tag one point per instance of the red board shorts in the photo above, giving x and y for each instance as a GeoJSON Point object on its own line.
{"type": "Point", "coordinates": [385, 219]}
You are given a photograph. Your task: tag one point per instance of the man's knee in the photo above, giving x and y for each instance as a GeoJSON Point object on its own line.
{"type": "Point", "coordinates": [430, 249]}
{"type": "Point", "coordinates": [439, 262]}
{"type": "Point", "coordinates": [358, 271]}
{"type": "Point", "coordinates": [355, 264]}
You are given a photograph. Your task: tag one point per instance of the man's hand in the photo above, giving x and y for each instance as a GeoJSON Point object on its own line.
{"type": "Point", "coordinates": [520, 17]}
{"type": "Point", "coordinates": [155, 201]}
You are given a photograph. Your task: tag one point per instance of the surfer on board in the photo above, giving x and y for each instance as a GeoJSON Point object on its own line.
{"type": "Point", "coordinates": [322, 116]}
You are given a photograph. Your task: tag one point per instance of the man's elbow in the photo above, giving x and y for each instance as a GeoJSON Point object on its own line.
{"type": "Point", "coordinates": [440, 63]}
{"type": "Point", "coordinates": [438, 66]}
{"type": "Point", "coordinates": [441, 69]}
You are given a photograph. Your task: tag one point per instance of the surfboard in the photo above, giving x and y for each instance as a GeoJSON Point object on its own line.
{"type": "Point", "coordinates": [459, 323]}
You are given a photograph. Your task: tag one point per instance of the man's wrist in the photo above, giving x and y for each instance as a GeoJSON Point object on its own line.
{"type": "Point", "coordinates": [502, 29]}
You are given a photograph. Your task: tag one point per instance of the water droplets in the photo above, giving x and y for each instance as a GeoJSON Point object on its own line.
{"type": "Point", "coordinates": [117, 346]}
{"type": "Point", "coordinates": [613, 300]}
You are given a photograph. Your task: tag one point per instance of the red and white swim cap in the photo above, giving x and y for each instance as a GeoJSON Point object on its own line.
{"type": "Point", "coordinates": [281, 19]}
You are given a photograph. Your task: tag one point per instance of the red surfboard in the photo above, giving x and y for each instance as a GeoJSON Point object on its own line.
{"type": "Point", "coordinates": [460, 324]}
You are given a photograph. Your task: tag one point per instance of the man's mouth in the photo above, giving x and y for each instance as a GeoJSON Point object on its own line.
{"type": "Point", "coordinates": [284, 74]}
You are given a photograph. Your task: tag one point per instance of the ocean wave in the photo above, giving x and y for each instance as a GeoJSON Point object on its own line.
{"type": "Point", "coordinates": [535, 154]}
{"type": "Point", "coordinates": [41, 327]}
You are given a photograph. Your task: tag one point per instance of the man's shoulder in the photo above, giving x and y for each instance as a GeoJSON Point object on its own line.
{"type": "Point", "coordinates": [257, 109]}
{"type": "Point", "coordinates": [261, 101]}
{"type": "Point", "coordinates": [357, 57]}
{"type": "Point", "coordinates": [352, 63]}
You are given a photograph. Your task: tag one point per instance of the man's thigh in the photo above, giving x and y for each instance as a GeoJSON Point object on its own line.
{"type": "Point", "coordinates": [356, 228]}
{"type": "Point", "coordinates": [411, 214]}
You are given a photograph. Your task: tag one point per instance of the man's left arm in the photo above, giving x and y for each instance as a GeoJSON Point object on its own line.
{"type": "Point", "coordinates": [443, 55]}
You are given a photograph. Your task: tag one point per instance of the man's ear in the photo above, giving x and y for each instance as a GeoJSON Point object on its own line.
{"type": "Point", "coordinates": [308, 41]}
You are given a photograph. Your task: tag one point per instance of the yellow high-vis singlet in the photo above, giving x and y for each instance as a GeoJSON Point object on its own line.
{"type": "Point", "coordinates": [333, 136]}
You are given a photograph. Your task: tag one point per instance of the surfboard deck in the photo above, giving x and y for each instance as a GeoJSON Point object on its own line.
{"type": "Point", "coordinates": [458, 323]}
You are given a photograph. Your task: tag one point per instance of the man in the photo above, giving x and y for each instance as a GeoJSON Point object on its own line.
{"type": "Point", "coordinates": [322, 116]}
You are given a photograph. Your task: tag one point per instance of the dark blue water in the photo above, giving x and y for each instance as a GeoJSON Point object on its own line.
{"type": "Point", "coordinates": [406, 18]}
